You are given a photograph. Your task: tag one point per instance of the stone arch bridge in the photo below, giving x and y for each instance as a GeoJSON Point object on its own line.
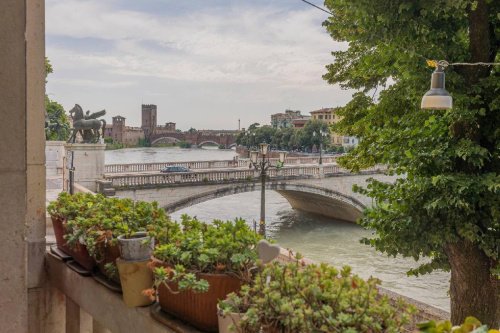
{"type": "Point", "coordinates": [324, 190]}
{"type": "Point", "coordinates": [198, 138]}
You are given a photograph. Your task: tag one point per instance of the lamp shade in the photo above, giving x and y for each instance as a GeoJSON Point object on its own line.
{"type": "Point", "coordinates": [263, 148]}
{"type": "Point", "coordinates": [437, 98]}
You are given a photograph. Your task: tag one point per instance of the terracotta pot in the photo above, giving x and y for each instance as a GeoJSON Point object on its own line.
{"type": "Point", "coordinates": [108, 253]}
{"type": "Point", "coordinates": [199, 309]}
{"type": "Point", "coordinates": [229, 323]}
{"type": "Point", "coordinates": [78, 252]}
{"type": "Point", "coordinates": [135, 276]}
{"type": "Point", "coordinates": [58, 226]}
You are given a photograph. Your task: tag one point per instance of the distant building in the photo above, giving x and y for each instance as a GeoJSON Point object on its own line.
{"type": "Point", "coordinates": [130, 136]}
{"type": "Point", "coordinates": [120, 133]}
{"type": "Point", "coordinates": [149, 119]}
{"type": "Point", "coordinates": [329, 116]}
{"type": "Point", "coordinates": [299, 123]}
{"type": "Point", "coordinates": [285, 120]}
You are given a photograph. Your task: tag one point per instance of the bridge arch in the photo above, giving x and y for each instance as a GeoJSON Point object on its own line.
{"type": "Point", "coordinates": [208, 142]}
{"type": "Point", "coordinates": [165, 139]}
{"type": "Point", "coordinates": [304, 197]}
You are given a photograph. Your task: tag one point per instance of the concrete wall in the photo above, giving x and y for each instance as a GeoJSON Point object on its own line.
{"type": "Point", "coordinates": [22, 165]}
{"type": "Point", "coordinates": [88, 161]}
{"type": "Point", "coordinates": [54, 157]}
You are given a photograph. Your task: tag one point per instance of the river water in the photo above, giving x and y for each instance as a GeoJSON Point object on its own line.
{"type": "Point", "coordinates": [316, 237]}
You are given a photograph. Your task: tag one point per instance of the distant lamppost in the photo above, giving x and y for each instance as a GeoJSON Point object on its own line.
{"type": "Point", "coordinates": [322, 135]}
{"type": "Point", "coordinates": [262, 165]}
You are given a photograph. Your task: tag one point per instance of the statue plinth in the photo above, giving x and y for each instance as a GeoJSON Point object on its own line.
{"type": "Point", "coordinates": [88, 163]}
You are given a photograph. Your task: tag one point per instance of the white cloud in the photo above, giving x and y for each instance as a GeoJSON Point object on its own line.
{"type": "Point", "coordinates": [266, 46]}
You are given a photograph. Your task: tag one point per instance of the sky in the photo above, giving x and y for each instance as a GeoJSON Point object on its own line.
{"type": "Point", "coordinates": [204, 63]}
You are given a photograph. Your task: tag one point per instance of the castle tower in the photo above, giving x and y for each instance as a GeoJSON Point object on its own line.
{"type": "Point", "coordinates": [118, 128]}
{"type": "Point", "coordinates": [149, 119]}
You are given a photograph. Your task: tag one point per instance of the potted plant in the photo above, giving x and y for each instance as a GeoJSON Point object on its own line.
{"type": "Point", "coordinates": [318, 298]}
{"type": "Point", "coordinates": [231, 309]}
{"type": "Point", "coordinates": [117, 223]}
{"type": "Point", "coordinates": [64, 212]}
{"type": "Point", "coordinates": [136, 231]}
{"type": "Point", "coordinates": [200, 265]}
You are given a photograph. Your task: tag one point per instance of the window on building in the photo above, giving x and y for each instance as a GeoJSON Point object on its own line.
{"type": "Point", "coordinates": [346, 140]}
{"type": "Point", "coordinates": [320, 117]}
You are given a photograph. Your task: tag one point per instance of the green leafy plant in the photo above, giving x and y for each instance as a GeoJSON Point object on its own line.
{"type": "Point", "coordinates": [220, 247]}
{"type": "Point", "coordinates": [235, 303]}
{"type": "Point", "coordinates": [470, 325]}
{"type": "Point", "coordinates": [111, 270]}
{"type": "Point", "coordinates": [96, 221]}
{"type": "Point", "coordinates": [318, 298]}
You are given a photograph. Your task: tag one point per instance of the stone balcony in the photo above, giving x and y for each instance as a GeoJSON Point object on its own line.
{"type": "Point", "coordinates": [79, 304]}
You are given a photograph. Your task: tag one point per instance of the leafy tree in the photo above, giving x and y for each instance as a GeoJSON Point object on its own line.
{"type": "Point", "coordinates": [311, 133]}
{"type": "Point", "coordinates": [58, 128]}
{"type": "Point", "coordinates": [446, 204]}
{"type": "Point", "coordinates": [57, 124]}
{"type": "Point", "coordinates": [253, 127]}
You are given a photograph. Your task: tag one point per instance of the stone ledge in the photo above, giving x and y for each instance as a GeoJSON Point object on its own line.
{"type": "Point", "coordinates": [104, 305]}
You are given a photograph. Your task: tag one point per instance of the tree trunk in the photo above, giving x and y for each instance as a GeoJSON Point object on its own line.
{"type": "Point", "coordinates": [474, 291]}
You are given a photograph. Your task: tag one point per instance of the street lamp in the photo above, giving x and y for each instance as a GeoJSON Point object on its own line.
{"type": "Point", "coordinates": [262, 165]}
{"type": "Point", "coordinates": [322, 134]}
{"type": "Point", "coordinates": [437, 98]}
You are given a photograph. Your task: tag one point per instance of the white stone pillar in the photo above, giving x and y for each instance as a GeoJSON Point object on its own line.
{"type": "Point", "coordinates": [88, 161]}
{"type": "Point", "coordinates": [22, 165]}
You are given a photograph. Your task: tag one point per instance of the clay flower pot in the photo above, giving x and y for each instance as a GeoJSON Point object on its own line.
{"type": "Point", "coordinates": [137, 247]}
{"type": "Point", "coordinates": [199, 309]}
{"type": "Point", "coordinates": [78, 252]}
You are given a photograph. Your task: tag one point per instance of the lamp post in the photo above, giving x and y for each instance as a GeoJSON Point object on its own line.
{"type": "Point", "coordinates": [262, 165]}
{"type": "Point", "coordinates": [322, 135]}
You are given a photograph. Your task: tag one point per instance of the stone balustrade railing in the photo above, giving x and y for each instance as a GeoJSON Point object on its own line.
{"type": "Point", "coordinates": [194, 165]}
{"type": "Point", "coordinates": [221, 176]}
{"type": "Point", "coordinates": [145, 167]}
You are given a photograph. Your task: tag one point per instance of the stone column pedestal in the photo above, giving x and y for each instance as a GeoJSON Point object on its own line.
{"type": "Point", "coordinates": [88, 161]}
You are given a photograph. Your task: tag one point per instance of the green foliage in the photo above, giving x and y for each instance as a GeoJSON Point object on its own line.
{"type": "Point", "coordinates": [309, 139]}
{"type": "Point", "coordinates": [58, 128]}
{"type": "Point", "coordinates": [317, 298]}
{"type": "Point", "coordinates": [470, 325]}
{"type": "Point", "coordinates": [57, 123]}
{"type": "Point", "coordinates": [220, 247]}
{"type": "Point", "coordinates": [111, 270]}
{"type": "Point", "coordinates": [449, 161]}
{"type": "Point", "coordinates": [234, 303]}
{"type": "Point", "coordinates": [286, 138]}
{"type": "Point", "coordinates": [184, 144]}
{"type": "Point", "coordinates": [142, 143]}
{"type": "Point", "coordinates": [94, 219]}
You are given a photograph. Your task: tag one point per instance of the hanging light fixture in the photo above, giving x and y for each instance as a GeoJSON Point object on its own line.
{"type": "Point", "coordinates": [437, 98]}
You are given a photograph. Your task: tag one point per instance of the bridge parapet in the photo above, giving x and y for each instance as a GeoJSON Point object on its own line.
{"type": "Point", "coordinates": [222, 176]}
{"type": "Point", "coordinates": [144, 167]}
{"type": "Point", "coordinates": [216, 164]}
{"type": "Point", "coordinates": [295, 160]}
